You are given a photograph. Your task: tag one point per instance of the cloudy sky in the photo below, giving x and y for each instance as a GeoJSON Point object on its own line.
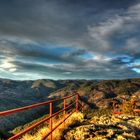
{"type": "Point", "coordinates": [69, 39]}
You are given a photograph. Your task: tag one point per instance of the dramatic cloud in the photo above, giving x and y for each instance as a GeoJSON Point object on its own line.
{"type": "Point", "coordinates": [69, 39]}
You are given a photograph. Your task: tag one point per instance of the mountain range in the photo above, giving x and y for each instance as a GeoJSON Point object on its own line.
{"type": "Point", "coordinates": [96, 94]}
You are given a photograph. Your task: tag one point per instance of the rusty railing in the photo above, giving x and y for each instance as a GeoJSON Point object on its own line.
{"type": "Point", "coordinates": [116, 108]}
{"type": "Point", "coordinates": [51, 115]}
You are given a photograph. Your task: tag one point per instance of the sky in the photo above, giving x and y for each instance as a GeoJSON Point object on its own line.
{"type": "Point", "coordinates": [69, 39]}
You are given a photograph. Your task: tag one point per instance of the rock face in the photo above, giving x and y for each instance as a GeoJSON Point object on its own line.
{"type": "Point", "coordinates": [122, 127]}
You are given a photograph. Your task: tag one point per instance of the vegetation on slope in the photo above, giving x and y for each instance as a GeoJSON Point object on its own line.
{"type": "Point", "coordinates": [36, 134]}
{"type": "Point", "coordinates": [96, 95]}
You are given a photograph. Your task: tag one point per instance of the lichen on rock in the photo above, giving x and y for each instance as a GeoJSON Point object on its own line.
{"type": "Point", "coordinates": [106, 127]}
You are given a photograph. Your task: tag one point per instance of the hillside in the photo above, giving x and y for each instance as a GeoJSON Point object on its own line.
{"type": "Point", "coordinates": [96, 95]}
{"type": "Point", "coordinates": [92, 127]}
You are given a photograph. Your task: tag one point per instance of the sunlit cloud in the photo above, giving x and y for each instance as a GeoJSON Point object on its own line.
{"type": "Point", "coordinates": [8, 65]}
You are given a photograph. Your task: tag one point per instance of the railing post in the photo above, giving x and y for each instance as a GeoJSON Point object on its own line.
{"type": "Point", "coordinates": [51, 120]}
{"type": "Point", "coordinates": [64, 112]}
{"type": "Point", "coordinates": [77, 96]}
{"type": "Point", "coordinates": [82, 106]}
{"type": "Point", "coordinates": [124, 101]}
{"type": "Point", "coordinates": [114, 107]}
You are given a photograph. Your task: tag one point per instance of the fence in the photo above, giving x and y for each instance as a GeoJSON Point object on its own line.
{"type": "Point", "coordinates": [78, 103]}
{"type": "Point", "coordinates": [132, 102]}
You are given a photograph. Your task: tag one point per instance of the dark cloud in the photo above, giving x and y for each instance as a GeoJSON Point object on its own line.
{"type": "Point", "coordinates": [89, 70]}
{"type": "Point", "coordinates": [60, 21]}
{"type": "Point", "coordinates": [73, 29]}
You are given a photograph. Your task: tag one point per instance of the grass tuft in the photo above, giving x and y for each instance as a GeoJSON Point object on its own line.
{"type": "Point", "coordinates": [57, 134]}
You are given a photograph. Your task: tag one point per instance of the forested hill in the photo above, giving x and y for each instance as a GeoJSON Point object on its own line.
{"type": "Point", "coordinates": [96, 94]}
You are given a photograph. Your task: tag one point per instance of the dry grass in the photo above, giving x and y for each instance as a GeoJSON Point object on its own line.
{"type": "Point", "coordinates": [76, 117]}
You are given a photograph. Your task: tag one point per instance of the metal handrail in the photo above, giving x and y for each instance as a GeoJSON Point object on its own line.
{"type": "Point", "coordinates": [45, 136]}
{"type": "Point", "coordinates": [76, 103]}
{"type": "Point", "coordinates": [20, 109]}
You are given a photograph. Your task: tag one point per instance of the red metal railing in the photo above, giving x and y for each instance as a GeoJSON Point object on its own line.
{"type": "Point", "coordinates": [66, 107]}
{"type": "Point", "coordinates": [116, 109]}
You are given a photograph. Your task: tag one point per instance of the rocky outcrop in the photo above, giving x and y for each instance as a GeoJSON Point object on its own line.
{"type": "Point", "coordinates": [122, 127]}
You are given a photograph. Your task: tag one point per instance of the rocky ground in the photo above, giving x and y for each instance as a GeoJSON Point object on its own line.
{"type": "Point", "coordinates": [106, 127]}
